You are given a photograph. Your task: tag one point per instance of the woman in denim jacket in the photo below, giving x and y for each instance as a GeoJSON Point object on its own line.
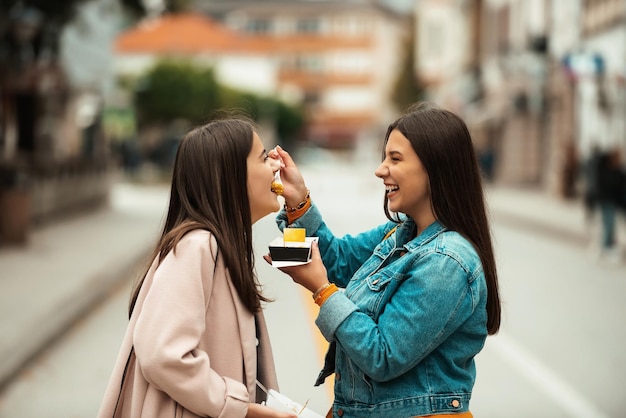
{"type": "Point", "coordinates": [419, 293]}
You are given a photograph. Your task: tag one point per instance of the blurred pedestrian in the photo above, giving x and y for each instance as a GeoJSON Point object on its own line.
{"type": "Point", "coordinates": [590, 172]}
{"type": "Point", "coordinates": [570, 171]}
{"type": "Point", "coordinates": [610, 200]}
{"type": "Point", "coordinates": [197, 342]}
{"type": "Point", "coordinates": [420, 291]}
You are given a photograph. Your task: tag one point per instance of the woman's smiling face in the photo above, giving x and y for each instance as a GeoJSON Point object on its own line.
{"type": "Point", "coordinates": [406, 180]}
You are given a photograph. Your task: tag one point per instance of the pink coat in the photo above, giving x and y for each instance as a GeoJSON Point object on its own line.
{"type": "Point", "coordinates": [190, 345]}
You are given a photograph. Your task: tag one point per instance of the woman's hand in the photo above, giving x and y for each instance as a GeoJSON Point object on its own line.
{"type": "Point", "coordinates": [312, 275]}
{"type": "Point", "coordinates": [256, 410]}
{"type": "Point", "coordinates": [295, 188]}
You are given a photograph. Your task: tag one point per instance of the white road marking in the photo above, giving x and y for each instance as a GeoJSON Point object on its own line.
{"type": "Point", "coordinates": [559, 391]}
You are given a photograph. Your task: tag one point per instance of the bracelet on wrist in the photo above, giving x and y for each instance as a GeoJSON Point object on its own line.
{"type": "Point", "coordinates": [297, 214]}
{"type": "Point", "coordinates": [325, 294]}
{"type": "Point", "coordinates": [318, 291]}
{"type": "Point", "coordinates": [301, 204]}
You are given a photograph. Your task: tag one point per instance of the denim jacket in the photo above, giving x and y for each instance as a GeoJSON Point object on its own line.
{"type": "Point", "coordinates": [409, 321]}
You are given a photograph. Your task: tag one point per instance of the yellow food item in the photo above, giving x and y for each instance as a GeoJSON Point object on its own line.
{"type": "Point", "coordinates": [294, 234]}
{"type": "Point", "coordinates": [277, 188]}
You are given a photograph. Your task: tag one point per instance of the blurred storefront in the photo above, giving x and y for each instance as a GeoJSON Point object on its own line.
{"type": "Point", "coordinates": [53, 156]}
{"type": "Point", "coordinates": [539, 81]}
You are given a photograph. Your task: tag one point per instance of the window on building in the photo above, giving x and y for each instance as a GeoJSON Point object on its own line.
{"type": "Point", "coordinates": [352, 25]}
{"type": "Point", "coordinates": [309, 63]}
{"type": "Point", "coordinates": [311, 98]}
{"type": "Point", "coordinates": [302, 63]}
{"type": "Point", "coordinates": [308, 26]}
{"type": "Point", "coordinates": [352, 61]}
{"type": "Point", "coordinates": [258, 26]}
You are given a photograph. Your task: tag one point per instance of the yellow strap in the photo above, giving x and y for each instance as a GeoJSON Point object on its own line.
{"type": "Point", "coordinates": [390, 233]}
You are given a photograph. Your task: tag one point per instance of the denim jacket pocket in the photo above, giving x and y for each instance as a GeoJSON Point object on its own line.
{"type": "Point", "coordinates": [353, 384]}
{"type": "Point", "coordinates": [380, 287]}
{"type": "Point", "coordinates": [377, 283]}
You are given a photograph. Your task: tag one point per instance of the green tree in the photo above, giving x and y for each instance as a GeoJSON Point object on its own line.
{"type": "Point", "coordinates": [177, 6]}
{"type": "Point", "coordinates": [289, 122]}
{"type": "Point", "coordinates": [177, 89]}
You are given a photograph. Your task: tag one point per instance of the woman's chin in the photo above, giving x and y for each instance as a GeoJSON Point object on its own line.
{"type": "Point", "coordinates": [276, 205]}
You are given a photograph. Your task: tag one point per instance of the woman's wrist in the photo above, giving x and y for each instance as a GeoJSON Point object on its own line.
{"type": "Point", "coordinates": [291, 205]}
{"type": "Point", "coordinates": [294, 213]}
{"type": "Point", "coordinates": [319, 290]}
{"type": "Point", "coordinates": [325, 293]}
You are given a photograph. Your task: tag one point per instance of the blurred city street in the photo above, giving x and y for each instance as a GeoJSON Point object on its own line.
{"type": "Point", "coordinates": [95, 97]}
{"type": "Point", "coordinates": [559, 352]}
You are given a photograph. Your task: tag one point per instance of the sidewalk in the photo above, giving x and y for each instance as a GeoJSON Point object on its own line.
{"type": "Point", "coordinates": [70, 265]}
{"type": "Point", "coordinates": [548, 215]}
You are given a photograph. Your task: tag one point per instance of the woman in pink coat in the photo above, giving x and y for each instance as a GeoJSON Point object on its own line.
{"type": "Point", "coordinates": [196, 342]}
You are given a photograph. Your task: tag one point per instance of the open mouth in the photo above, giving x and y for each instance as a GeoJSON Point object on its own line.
{"type": "Point", "coordinates": [390, 189]}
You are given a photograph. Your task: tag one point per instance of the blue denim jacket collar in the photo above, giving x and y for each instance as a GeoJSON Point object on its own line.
{"type": "Point", "coordinates": [405, 231]}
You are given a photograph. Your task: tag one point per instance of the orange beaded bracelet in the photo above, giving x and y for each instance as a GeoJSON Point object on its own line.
{"type": "Point", "coordinates": [325, 294]}
{"type": "Point", "coordinates": [319, 290]}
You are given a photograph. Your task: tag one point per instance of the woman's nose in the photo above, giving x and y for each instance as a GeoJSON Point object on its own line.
{"type": "Point", "coordinates": [381, 171]}
{"type": "Point", "coordinates": [275, 164]}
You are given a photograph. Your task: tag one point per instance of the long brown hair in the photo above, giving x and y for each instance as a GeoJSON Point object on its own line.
{"type": "Point", "coordinates": [442, 142]}
{"type": "Point", "coordinates": [209, 191]}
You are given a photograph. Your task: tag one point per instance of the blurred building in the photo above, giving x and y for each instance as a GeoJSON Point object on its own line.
{"type": "Point", "coordinates": [54, 77]}
{"type": "Point", "coordinates": [598, 69]}
{"type": "Point", "coordinates": [538, 81]}
{"type": "Point", "coordinates": [340, 59]}
{"type": "Point", "coordinates": [239, 60]}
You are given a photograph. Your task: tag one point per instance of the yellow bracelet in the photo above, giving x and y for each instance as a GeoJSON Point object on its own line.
{"type": "Point", "coordinates": [325, 294]}
{"type": "Point", "coordinates": [318, 291]}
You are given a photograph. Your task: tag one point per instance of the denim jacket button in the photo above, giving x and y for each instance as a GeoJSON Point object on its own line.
{"type": "Point", "coordinates": [340, 412]}
{"type": "Point", "coordinates": [456, 403]}
{"type": "Point", "coordinates": [337, 376]}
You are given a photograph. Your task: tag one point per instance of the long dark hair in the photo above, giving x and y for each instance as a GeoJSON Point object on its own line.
{"type": "Point", "coordinates": [442, 142]}
{"type": "Point", "coordinates": [209, 191]}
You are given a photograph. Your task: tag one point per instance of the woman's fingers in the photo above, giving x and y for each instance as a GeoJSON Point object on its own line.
{"type": "Point", "coordinates": [291, 177]}
{"type": "Point", "coordinates": [284, 155]}
{"type": "Point", "coordinates": [275, 160]}
{"type": "Point", "coordinates": [315, 250]}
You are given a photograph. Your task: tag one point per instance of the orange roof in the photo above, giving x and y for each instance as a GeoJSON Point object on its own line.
{"type": "Point", "coordinates": [181, 33]}
{"type": "Point", "coordinates": [194, 33]}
